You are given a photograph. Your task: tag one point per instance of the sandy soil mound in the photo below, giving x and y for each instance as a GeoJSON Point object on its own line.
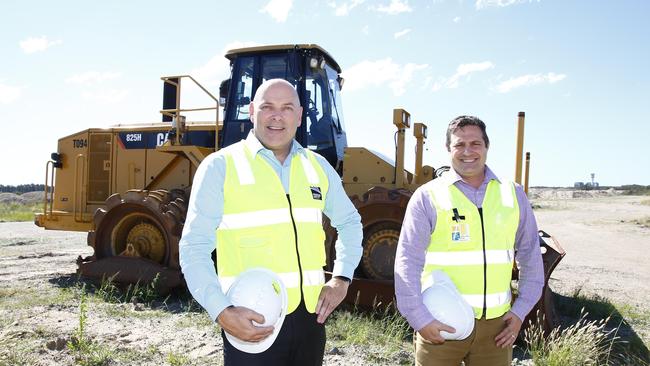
{"type": "Point", "coordinates": [568, 193]}
{"type": "Point", "coordinates": [11, 198]}
{"type": "Point", "coordinates": [25, 198]}
{"type": "Point", "coordinates": [33, 197]}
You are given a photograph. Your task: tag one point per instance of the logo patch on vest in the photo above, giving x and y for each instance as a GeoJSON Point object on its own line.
{"type": "Point", "coordinates": [459, 232]}
{"type": "Point", "coordinates": [315, 193]}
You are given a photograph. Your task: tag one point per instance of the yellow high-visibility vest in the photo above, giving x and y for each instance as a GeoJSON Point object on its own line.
{"type": "Point", "coordinates": [476, 249]}
{"type": "Point", "coordinates": [262, 226]}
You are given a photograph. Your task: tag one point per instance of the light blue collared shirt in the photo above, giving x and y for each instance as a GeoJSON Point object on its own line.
{"type": "Point", "coordinates": [205, 211]}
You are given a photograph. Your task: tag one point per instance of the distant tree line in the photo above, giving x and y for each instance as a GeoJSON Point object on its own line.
{"type": "Point", "coordinates": [22, 188]}
{"type": "Point", "coordinates": [636, 189]}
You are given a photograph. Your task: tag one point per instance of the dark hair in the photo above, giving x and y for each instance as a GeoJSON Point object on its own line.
{"type": "Point", "coordinates": [462, 121]}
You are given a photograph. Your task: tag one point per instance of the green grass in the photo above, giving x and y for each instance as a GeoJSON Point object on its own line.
{"type": "Point", "coordinates": [584, 343]}
{"type": "Point", "coordinates": [596, 306]}
{"type": "Point", "coordinates": [384, 333]}
{"type": "Point", "coordinates": [16, 299]}
{"type": "Point", "coordinates": [19, 347]}
{"type": "Point", "coordinates": [190, 320]}
{"type": "Point", "coordinates": [621, 318]}
{"type": "Point", "coordinates": [10, 212]}
{"type": "Point", "coordinates": [146, 294]}
{"type": "Point", "coordinates": [382, 336]}
{"type": "Point", "coordinates": [177, 359]}
{"type": "Point", "coordinates": [86, 351]}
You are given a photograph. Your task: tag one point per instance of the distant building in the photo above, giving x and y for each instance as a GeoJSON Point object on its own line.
{"type": "Point", "coordinates": [587, 185]}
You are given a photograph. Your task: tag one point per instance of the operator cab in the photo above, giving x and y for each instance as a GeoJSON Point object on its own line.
{"type": "Point", "coordinates": [314, 74]}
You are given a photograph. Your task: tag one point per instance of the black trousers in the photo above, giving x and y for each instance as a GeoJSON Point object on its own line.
{"type": "Point", "coordinates": [301, 342]}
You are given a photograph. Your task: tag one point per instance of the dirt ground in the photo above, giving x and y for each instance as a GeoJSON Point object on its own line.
{"type": "Point", "coordinates": [607, 255]}
{"type": "Point", "coordinates": [607, 252]}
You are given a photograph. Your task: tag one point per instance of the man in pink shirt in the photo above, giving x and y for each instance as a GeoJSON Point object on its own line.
{"type": "Point", "coordinates": [471, 225]}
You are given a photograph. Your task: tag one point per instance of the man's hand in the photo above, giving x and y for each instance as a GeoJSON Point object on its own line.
{"type": "Point", "coordinates": [238, 322]}
{"type": "Point", "coordinates": [431, 332]}
{"type": "Point", "coordinates": [507, 337]}
{"type": "Point", "coordinates": [331, 295]}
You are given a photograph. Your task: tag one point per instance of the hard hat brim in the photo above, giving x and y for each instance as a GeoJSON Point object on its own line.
{"type": "Point", "coordinates": [263, 345]}
{"type": "Point", "coordinates": [447, 305]}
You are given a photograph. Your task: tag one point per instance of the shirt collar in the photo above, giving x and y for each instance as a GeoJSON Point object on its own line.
{"type": "Point", "coordinates": [451, 177]}
{"type": "Point", "coordinates": [255, 146]}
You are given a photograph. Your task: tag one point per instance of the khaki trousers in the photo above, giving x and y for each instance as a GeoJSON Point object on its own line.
{"type": "Point", "coordinates": [479, 349]}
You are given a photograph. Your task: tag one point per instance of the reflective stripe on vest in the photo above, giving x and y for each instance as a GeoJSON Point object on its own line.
{"type": "Point", "coordinates": [491, 300]}
{"type": "Point", "coordinates": [257, 227]}
{"type": "Point", "coordinates": [482, 275]}
{"type": "Point", "coordinates": [291, 279]}
{"type": "Point", "coordinates": [270, 217]}
{"type": "Point", "coordinates": [470, 257]}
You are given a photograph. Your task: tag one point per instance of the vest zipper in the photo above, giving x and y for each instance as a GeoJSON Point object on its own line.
{"type": "Point", "coordinates": [480, 213]}
{"type": "Point", "coordinates": [295, 235]}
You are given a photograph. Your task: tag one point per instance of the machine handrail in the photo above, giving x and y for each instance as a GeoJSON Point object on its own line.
{"type": "Point", "coordinates": [47, 168]}
{"type": "Point", "coordinates": [177, 111]}
{"type": "Point", "coordinates": [74, 192]}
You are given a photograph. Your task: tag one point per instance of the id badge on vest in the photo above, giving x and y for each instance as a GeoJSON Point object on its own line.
{"type": "Point", "coordinates": [459, 232]}
{"type": "Point", "coordinates": [459, 229]}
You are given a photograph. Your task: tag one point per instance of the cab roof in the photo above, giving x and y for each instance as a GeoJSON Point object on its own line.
{"type": "Point", "coordinates": [231, 54]}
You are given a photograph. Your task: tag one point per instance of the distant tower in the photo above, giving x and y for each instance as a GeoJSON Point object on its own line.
{"type": "Point", "coordinates": [592, 179]}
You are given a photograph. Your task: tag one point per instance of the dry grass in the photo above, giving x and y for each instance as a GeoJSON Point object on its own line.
{"type": "Point", "coordinates": [583, 343]}
{"type": "Point", "coordinates": [10, 212]}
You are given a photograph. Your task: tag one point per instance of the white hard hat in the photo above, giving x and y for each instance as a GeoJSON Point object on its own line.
{"type": "Point", "coordinates": [261, 290]}
{"type": "Point", "coordinates": [447, 305]}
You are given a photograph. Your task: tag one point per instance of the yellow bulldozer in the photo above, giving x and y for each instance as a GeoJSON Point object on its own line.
{"type": "Point", "coordinates": [128, 185]}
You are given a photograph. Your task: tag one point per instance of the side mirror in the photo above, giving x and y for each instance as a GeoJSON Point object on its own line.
{"type": "Point", "coordinates": [223, 91]}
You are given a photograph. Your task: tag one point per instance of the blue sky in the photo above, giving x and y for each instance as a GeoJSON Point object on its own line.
{"type": "Point", "coordinates": [579, 69]}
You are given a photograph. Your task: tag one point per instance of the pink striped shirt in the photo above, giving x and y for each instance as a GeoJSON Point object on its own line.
{"type": "Point", "coordinates": [414, 239]}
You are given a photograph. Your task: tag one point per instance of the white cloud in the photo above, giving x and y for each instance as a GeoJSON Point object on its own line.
{"type": "Point", "coordinates": [108, 96]}
{"type": "Point", "coordinates": [218, 67]}
{"type": "Point", "coordinates": [554, 78]}
{"type": "Point", "coordinates": [278, 9]}
{"type": "Point", "coordinates": [33, 44]}
{"type": "Point", "coordinates": [9, 94]}
{"type": "Point", "coordinates": [380, 72]}
{"type": "Point", "coordinates": [395, 7]}
{"type": "Point", "coordinates": [530, 79]}
{"type": "Point", "coordinates": [482, 4]}
{"type": "Point", "coordinates": [92, 77]}
{"type": "Point", "coordinates": [463, 70]}
{"type": "Point", "coordinates": [426, 82]}
{"type": "Point", "coordinates": [402, 33]}
{"type": "Point", "coordinates": [365, 30]}
{"type": "Point", "coordinates": [456, 19]}
{"type": "Point", "coordinates": [343, 8]}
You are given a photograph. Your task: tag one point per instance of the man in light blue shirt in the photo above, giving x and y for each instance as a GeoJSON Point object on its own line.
{"type": "Point", "coordinates": [276, 115]}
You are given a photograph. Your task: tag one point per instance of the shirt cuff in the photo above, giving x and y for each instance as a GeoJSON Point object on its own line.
{"type": "Point", "coordinates": [520, 310]}
{"type": "Point", "coordinates": [340, 270]}
{"type": "Point", "coordinates": [215, 305]}
{"type": "Point", "coordinates": [420, 318]}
